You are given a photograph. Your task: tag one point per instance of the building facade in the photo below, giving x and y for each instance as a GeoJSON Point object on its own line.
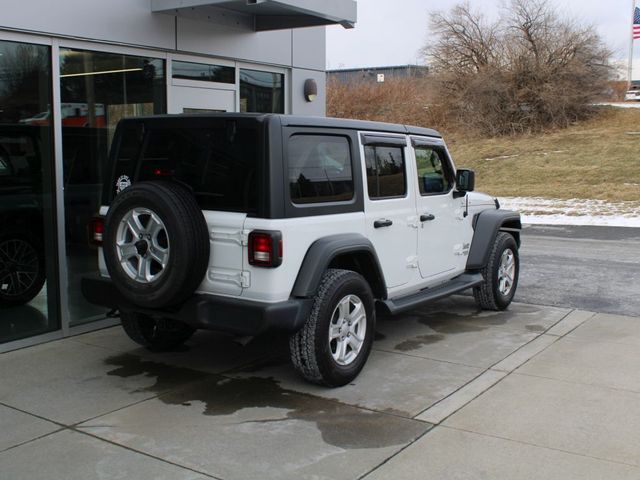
{"type": "Point", "coordinates": [69, 71]}
{"type": "Point", "coordinates": [377, 74]}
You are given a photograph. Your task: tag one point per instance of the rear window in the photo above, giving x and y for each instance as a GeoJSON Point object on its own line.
{"type": "Point", "coordinates": [218, 162]}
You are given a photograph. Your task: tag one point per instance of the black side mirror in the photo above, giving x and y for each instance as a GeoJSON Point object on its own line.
{"type": "Point", "coordinates": [465, 180]}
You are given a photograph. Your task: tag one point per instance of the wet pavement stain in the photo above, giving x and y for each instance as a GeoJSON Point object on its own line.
{"type": "Point", "coordinates": [419, 341]}
{"type": "Point", "coordinates": [377, 336]}
{"type": "Point", "coordinates": [166, 376]}
{"type": "Point", "coordinates": [446, 323]}
{"type": "Point", "coordinates": [263, 364]}
{"type": "Point", "coordinates": [522, 309]}
{"type": "Point", "coordinates": [340, 425]}
{"type": "Point", "coordinates": [535, 328]}
{"type": "Point", "coordinates": [448, 326]}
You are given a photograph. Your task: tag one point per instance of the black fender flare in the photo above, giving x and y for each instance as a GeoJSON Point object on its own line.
{"type": "Point", "coordinates": [486, 225]}
{"type": "Point", "coordinates": [324, 250]}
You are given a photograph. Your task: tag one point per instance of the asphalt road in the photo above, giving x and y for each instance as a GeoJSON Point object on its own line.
{"type": "Point", "coordinates": [589, 268]}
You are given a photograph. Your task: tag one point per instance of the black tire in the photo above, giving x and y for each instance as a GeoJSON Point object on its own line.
{"type": "Point", "coordinates": [156, 334]}
{"type": "Point", "coordinates": [488, 295]}
{"type": "Point", "coordinates": [310, 348]}
{"type": "Point", "coordinates": [185, 235]}
{"type": "Point", "coordinates": [22, 267]}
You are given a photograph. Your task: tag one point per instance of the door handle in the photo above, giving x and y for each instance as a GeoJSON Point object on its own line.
{"type": "Point", "coordinates": [382, 223]}
{"type": "Point", "coordinates": [427, 217]}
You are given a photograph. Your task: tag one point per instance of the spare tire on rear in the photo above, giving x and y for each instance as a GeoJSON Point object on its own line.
{"type": "Point", "coordinates": [156, 243]}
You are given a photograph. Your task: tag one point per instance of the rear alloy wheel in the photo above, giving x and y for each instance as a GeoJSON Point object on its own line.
{"type": "Point", "coordinates": [334, 344]}
{"type": "Point", "coordinates": [22, 267]}
{"type": "Point", "coordinates": [157, 334]}
{"type": "Point", "coordinates": [500, 275]}
{"type": "Point", "coordinates": [347, 330]}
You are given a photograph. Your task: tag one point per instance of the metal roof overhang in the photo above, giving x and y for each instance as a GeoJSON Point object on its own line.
{"type": "Point", "coordinates": [262, 15]}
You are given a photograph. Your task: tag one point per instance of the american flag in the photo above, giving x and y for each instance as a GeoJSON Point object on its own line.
{"type": "Point", "coordinates": [636, 24]}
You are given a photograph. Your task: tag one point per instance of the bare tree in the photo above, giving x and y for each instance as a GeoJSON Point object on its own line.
{"type": "Point", "coordinates": [464, 41]}
{"type": "Point", "coordinates": [529, 70]}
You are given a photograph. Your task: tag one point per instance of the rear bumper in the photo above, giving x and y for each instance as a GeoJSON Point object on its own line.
{"type": "Point", "coordinates": [210, 312]}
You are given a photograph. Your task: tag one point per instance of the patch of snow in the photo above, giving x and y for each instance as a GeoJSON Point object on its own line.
{"type": "Point", "coordinates": [620, 104]}
{"type": "Point", "coordinates": [501, 157]}
{"type": "Point", "coordinates": [553, 211]}
{"type": "Point", "coordinates": [543, 154]}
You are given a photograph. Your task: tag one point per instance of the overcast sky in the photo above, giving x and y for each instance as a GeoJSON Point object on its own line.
{"type": "Point", "coordinates": [391, 32]}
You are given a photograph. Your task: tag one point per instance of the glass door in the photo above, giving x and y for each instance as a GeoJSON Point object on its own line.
{"type": "Point", "coordinates": [97, 89]}
{"type": "Point", "coordinates": [28, 273]}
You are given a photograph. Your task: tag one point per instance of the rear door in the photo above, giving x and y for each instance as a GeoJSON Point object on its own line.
{"type": "Point", "coordinates": [390, 210]}
{"type": "Point", "coordinates": [217, 159]}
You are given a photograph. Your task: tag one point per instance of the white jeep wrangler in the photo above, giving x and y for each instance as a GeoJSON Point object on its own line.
{"type": "Point", "coordinates": [246, 223]}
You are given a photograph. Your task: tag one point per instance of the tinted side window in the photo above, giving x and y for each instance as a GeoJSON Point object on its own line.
{"type": "Point", "coordinates": [319, 169]}
{"type": "Point", "coordinates": [433, 171]}
{"type": "Point", "coordinates": [386, 176]}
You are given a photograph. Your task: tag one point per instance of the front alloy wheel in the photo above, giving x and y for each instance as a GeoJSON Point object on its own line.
{"type": "Point", "coordinates": [506, 272]}
{"type": "Point", "coordinates": [500, 275]}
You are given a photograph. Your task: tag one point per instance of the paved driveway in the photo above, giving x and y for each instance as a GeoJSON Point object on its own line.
{"type": "Point", "coordinates": [592, 268]}
{"type": "Point", "coordinates": [546, 401]}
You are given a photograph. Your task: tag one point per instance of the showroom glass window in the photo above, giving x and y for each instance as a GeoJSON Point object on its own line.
{"type": "Point", "coordinates": [203, 72]}
{"type": "Point", "coordinates": [97, 89]}
{"type": "Point", "coordinates": [261, 92]}
{"type": "Point", "coordinates": [28, 286]}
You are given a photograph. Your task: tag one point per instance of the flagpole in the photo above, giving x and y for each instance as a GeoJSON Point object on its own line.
{"type": "Point", "coordinates": [633, 13]}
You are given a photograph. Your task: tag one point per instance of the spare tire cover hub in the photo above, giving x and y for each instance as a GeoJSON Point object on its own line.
{"type": "Point", "coordinates": [142, 245]}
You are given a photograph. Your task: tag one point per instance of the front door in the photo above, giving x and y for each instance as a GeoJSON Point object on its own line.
{"type": "Point", "coordinates": [201, 100]}
{"type": "Point", "coordinates": [390, 210]}
{"type": "Point", "coordinates": [442, 240]}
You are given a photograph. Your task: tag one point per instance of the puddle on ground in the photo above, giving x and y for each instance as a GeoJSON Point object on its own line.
{"type": "Point", "coordinates": [166, 376]}
{"type": "Point", "coordinates": [340, 425]}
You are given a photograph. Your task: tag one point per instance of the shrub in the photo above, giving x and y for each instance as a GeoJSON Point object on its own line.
{"type": "Point", "coordinates": [528, 71]}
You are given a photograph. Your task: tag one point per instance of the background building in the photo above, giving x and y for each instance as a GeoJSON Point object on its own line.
{"type": "Point", "coordinates": [377, 74]}
{"type": "Point", "coordinates": [69, 71]}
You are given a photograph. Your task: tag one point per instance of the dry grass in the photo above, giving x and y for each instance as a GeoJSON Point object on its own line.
{"type": "Point", "coordinates": [396, 100]}
{"type": "Point", "coordinates": [597, 159]}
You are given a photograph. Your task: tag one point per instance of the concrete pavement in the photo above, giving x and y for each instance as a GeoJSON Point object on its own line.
{"type": "Point", "coordinates": [448, 392]}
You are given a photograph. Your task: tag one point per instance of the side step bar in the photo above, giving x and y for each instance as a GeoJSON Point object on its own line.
{"type": "Point", "coordinates": [455, 285]}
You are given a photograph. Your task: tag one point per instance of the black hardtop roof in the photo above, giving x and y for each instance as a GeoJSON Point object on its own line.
{"type": "Point", "coordinates": [300, 121]}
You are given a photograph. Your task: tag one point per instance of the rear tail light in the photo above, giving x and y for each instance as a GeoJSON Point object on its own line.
{"type": "Point", "coordinates": [265, 248]}
{"type": "Point", "coordinates": [96, 231]}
